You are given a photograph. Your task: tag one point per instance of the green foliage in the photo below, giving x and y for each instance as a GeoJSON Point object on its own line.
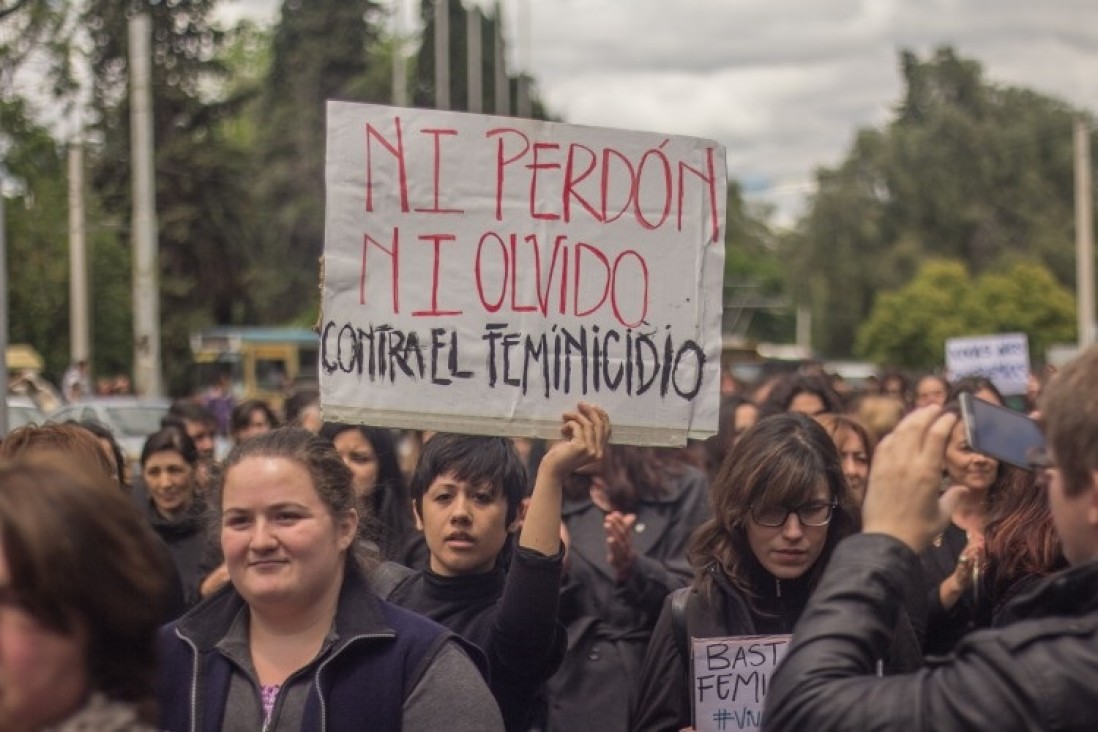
{"type": "Point", "coordinates": [966, 170]}
{"type": "Point", "coordinates": [320, 51]}
{"type": "Point", "coordinates": [755, 276]}
{"type": "Point", "coordinates": [36, 234]}
{"type": "Point", "coordinates": [202, 181]}
{"type": "Point", "coordinates": [908, 327]}
{"type": "Point", "coordinates": [30, 26]}
{"type": "Point", "coordinates": [239, 126]}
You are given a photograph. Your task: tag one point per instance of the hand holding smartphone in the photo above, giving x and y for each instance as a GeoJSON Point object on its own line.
{"type": "Point", "coordinates": [1008, 436]}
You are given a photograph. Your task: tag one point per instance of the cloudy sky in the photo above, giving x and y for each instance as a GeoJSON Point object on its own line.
{"type": "Point", "coordinates": [783, 84]}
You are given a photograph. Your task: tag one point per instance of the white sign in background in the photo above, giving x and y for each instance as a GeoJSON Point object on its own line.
{"type": "Point", "coordinates": [1003, 358]}
{"type": "Point", "coordinates": [482, 274]}
{"type": "Point", "coordinates": [731, 676]}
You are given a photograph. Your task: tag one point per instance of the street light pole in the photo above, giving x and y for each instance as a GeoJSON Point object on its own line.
{"type": "Point", "coordinates": [3, 310]}
{"type": "Point", "coordinates": [146, 282]}
{"type": "Point", "coordinates": [442, 54]}
{"type": "Point", "coordinates": [1084, 235]}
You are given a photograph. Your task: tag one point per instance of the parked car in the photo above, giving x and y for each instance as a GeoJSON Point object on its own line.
{"type": "Point", "coordinates": [23, 411]}
{"type": "Point", "coordinates": [131, 419]}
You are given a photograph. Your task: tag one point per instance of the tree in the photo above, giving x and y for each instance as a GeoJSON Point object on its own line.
{"type": "Point", "coordinates": [321, 50]}
{"type": "Point", "coordinates": [42, 28]}
{"type": "Point", "coordinates": [757, 305]}
{"type": "Point", "coordinates": [202, 184]}
{"type": "Point", "coordinates": [908, 327]}
{"type": "Point", "coordinates": [966, 170]}
{"type": "Point", "coordinates": [36, 231]}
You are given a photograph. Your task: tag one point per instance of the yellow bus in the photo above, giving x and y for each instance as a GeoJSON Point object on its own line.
{"type": "Point", "coordinates": [260, 362]}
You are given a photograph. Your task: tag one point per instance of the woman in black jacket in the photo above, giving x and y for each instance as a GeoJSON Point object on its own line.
{"type": "Point", "coordinates": [169, 498]}
{"type": "Point", "coordinates": [628, 522]}
{"type": "Point", "coordinates": [780, 505]}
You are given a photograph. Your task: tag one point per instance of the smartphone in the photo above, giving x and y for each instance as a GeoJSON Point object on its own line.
{"type": "Point", "coordinates": [1008, 436]}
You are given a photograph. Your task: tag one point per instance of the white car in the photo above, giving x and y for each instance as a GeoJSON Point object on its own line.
{"type": "Point", "coordinates": [23, 411]}
{"type": "Point", "coordinates": [131, 419]}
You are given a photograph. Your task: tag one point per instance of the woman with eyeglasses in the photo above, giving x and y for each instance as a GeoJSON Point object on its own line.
{"type": "Point", "coordinates": [780, 505]}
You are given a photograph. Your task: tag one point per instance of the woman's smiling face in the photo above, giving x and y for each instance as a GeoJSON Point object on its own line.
{"type": "Point", "coordinates": [282, 544]}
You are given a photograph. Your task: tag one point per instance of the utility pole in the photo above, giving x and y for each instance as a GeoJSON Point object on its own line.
{"type": "Point", "coordinates": [442, 54]}
{"type": "Point", "coordinates": [1084, 235]}
{"type": "Point", "coordinates": [146, 283]}
{"type": "Point", "coordinates": [522, 104]}
{"type": "Point", "coordinates": [473, 64]}
{"type": "Point", "coordinates": [804, 328]}
{"type": "Point", "coordinates": [503, 84]}
{"type": "Point", "coordinates": [3, 309]}
{"type": "Point", "coordinates": [79, 320]}
{"type": "Point", "coordinates": [400, 66]}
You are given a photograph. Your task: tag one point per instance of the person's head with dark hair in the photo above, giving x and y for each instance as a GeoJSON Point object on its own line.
{"type": "Point", "coordinates": [371, 455]}
{"type": "Point", "coordinates": [809, 394]}
{"type": "Point", "coordinates": [780, 505]}
{"type": "Point", "coordinates": [302, 409]}
{"type": "Point", "coordinates": [737, 414]}
{"type": "Point", "coordinates": [980, 387]}
{"type": "Point", "coordinates": [855, 444]}
{"type": "Point", "coordinates": [69, 441]}
{"type": "Point", "coordinates": [467, 493]}
{"type": "Point", "coordinates": [628, 474]}
{"type": "Point", "coordinates": [169, 463]}
{"type": "Point", "coordinates": [108, 442]}
{"type": "Point", "coordinates": [931, 389]}
{"type": "Point", "coordinates": [198, 422]}
{"type": "Point", "coordinates": [79, 578]}
{"type": "Point", "coordinates": [893, 384]}
{"type": "Point", "coordinates": [251, 417]}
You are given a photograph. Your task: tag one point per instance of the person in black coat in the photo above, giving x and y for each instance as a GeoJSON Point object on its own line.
{"type": "Point", "coordinates": [1038, 671]}
{"type": "Point", "coordinates": [628, 521]}
{"type": "Point", "coordinates": [468, 493]}
{"type": "Point", "coordinates": [954, 563]}
{"type": "Point", "coordinates": [168, 497]}
{"type": "Point", "coordinates": [780, 505]}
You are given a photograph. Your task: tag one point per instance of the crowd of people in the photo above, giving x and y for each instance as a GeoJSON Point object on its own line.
{"type": "Point", "coordinates": [338, 576]}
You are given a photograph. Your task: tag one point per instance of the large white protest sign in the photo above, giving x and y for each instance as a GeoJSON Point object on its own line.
{"type": "Point", "coordinates": [1003, 358]}
{"type": "Point", "coordinates": [731, 676]}
{"type": "Point", "coordinates": [482, 274]}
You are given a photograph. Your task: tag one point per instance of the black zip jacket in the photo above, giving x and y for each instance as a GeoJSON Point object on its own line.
{"type": "Point", "coordinates": [1037, 673]}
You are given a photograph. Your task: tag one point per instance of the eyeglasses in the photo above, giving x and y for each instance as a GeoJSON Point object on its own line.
{"type": "Point", "coordinates": [817, 513]}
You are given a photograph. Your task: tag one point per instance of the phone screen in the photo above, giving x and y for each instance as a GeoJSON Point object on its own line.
{"type": "Point", "coordinates": [998, 432]}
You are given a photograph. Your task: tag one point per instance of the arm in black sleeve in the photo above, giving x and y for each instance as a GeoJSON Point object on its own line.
{"type": "Point", "coordinates": [826, 681]}
{"type": "Point", "coordinates": [527, 638]}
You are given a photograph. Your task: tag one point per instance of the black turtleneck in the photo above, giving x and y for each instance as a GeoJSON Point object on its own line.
{"type": "Point", "coordinates": [464, 604]}
{"type": "Point", "coordinates": [776, 604]}
{"type": "Point", "coordinates": [511, 616]}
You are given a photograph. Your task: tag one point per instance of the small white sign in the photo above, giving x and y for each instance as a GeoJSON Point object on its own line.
{"type": "Point", "coordinates": [731, 676]}
{"type": "Point", "coordinates": [1003, 358]}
